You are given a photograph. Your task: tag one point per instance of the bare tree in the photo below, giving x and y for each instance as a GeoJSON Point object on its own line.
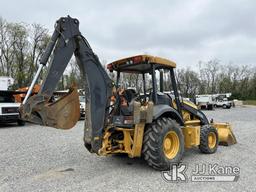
{"type": "Point", "coordinates": [209, 75]}
{"type": "Point", "coordinates": [6, 48]}
{"type": "Point", "coordinates": [188, 82]}
{"type": "Point", "coordinates": [19, 35]}
{"type": "Point", "coordinates": [37, 42]}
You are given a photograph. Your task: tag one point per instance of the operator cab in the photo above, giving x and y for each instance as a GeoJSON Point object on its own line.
{"type": "Point", "coordinates": [141, 78]}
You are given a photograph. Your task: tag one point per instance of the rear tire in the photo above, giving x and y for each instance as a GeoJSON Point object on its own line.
{"type": "Point", "coordinates": [210, 107]}
{"type": "Point", "coordinates": [208, 139]}
{"type": "Point", "coordinates": [163, 143]}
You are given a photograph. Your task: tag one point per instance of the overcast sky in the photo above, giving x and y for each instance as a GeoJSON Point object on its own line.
{"type": "Point", "coordinates": [183, 31]}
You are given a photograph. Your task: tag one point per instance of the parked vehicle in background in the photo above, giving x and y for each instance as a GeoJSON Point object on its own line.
{"type": "Point", "coordinates": [9, 110]}
{"type": "Point", "coordinates": [20, 97]}
{"type": "Point", "coordinates": [221, 100]}
{"type": "Point", "coordinates": [82, 106]}
{"type": "Point", "coordinates": [5, 82]}
{"type": "Point", "coordinates": [205, 102]}
{"type": "Point", "coordinates": [225, 104]}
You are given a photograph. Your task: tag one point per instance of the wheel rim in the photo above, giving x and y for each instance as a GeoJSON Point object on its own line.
{"type": "Point", "coordinates": [211, 140]}
{"type": "Point", "coordinates": [171, 144]}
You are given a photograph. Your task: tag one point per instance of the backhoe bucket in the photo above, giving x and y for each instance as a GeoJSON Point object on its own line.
{"type": "Point", "coordinates": [62, 114]}
{"type": "Point", "coordinates": [225, 133]}
{"type": "Point", "coordinates": [65, 112]}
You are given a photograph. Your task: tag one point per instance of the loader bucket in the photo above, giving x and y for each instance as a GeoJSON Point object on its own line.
{"type": "Point", "coordinates": [225, 133]}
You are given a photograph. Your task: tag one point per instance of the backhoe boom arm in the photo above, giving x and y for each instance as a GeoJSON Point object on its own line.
{"type": "Point", "coordinates": [64, 113]}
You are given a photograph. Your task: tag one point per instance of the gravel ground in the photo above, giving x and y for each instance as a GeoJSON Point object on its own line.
{"type": "Point", "coordinates": [36, 158]}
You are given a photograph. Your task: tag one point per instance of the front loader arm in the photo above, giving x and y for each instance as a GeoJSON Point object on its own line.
{"type": "Point", "coordinates": [64, 113]}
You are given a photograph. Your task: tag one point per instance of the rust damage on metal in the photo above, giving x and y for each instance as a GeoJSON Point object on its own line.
{"type": "Point", "coordinates": [61, 114]}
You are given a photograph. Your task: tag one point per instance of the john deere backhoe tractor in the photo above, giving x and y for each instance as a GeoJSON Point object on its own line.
{"type": "Point", "coordinates": [151, 123]}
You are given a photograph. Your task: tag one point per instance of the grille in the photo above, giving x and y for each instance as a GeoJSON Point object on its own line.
{"type": "Point", "coordinates": [10, 110]}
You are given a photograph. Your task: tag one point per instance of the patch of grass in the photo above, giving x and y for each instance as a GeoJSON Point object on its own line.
{"type": "Point", "coordinates": [249, 102]}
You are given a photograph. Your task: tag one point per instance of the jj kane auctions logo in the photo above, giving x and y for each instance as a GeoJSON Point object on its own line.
{"type": "Point", "coordinates": [202, 173]}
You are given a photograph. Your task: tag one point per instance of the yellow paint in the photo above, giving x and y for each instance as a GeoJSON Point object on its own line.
{"type": "Point", "coordinates": [191, 136]}
{"type": "Point", "coordinates": [171, 144]}
{"type": "Point", "coordinates": [146, 58]}
{"type": "Point", "coordinates": [225, 134]}
{"type": "Point", "coordinates": [212, 140]}
{"type": "Point", "coordinates": [138, 140]}
{"type": "Point", "coordinates": [130, 144]}
{"type": "Point", "coordinates": [190, 104]}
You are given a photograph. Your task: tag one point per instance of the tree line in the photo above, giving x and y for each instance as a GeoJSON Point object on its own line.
{"type": "Point", "coordinates": [214, 77]}
{"type": "Point", "coordinates": [21, 46]}
{"type": "Point", "coordinates": [209, 77]}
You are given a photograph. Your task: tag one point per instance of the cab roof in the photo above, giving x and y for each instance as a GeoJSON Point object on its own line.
{"type": "Point", "coordinates": [140, 64]}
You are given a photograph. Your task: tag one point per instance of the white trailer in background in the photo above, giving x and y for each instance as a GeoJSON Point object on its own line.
{"type": "Point", "coordinates": [205, 101]}
{"type": "Point", "coordinates": [5, 82]}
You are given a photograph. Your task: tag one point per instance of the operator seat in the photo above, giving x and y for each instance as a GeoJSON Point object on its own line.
{"type": "Point", "coordinates": [129, 95]}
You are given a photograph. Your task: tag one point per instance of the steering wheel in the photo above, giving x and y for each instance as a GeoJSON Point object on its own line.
{"type": "Point", "coordinates": [142, 98]}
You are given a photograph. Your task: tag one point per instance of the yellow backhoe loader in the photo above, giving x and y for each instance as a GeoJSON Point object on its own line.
{"type": "Point", "coordinates": [150, 122]}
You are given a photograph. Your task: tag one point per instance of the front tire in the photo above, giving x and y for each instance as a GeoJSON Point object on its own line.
{"type": "Point", "coordinates": [208, 139]}
{"type": "Point", "coordinates": [163, 143]}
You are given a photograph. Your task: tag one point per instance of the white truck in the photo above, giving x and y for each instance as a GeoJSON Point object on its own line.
{"type": "Point", "coordinates": [205, 101]}
{"type": "Point", "coordinates": [225, 104]}
{"type": "Point", "coordinates": [9, 110]}
{"type": "Point", "coordinates": [82, 106]}
{"type": "Point", "coordinates": [221, 100]}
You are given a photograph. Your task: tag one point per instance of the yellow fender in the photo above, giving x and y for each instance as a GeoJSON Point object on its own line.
{"type": "Point", "coordinates": [225, 133]}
